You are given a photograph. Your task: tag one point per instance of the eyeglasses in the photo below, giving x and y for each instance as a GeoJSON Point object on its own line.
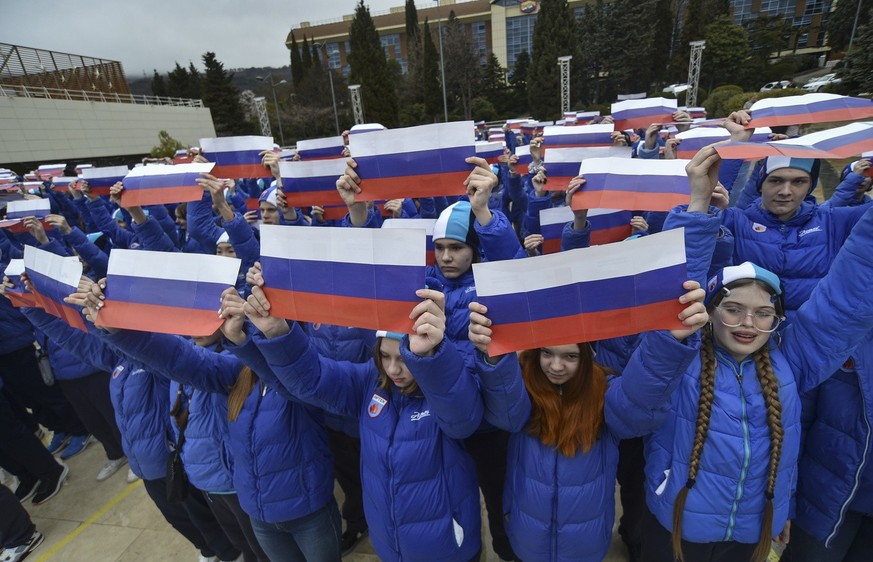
{"type": "Point", "coordinates": [762, 320]}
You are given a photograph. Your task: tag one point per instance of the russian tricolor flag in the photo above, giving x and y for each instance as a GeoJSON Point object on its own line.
{"type": "Point", "coordinates": [584, 295]}
{"type": "Point", "coordinates": [562, 164]}
{"type": "Point", "coordinates": [39, 208]}
{"type": "Point", "coordinates": [366, 128]}
{"type": "Point", "coordinates": [619, 183]}
{"type": "Point", "coordinates": [312, 182]}
{"type": "Point", "coordinates": [81, 167]}
{"type": "Point", "coordinates": [237, 157]}
{"type": "Point", "coordinates": [607, 226]}
{"type": "Point", "coordinates": [54, 278]}
{"type": "Point", "coordinates": [166, 292]}
{"type": "Point", "coordinates": [156, 185]}
{"type": "Point", "coordinates": [422, 161]}
{"type": "Point", "coordinates": [695, 112]}
{"type": "Point", "coordinates": [633, 114]}
{"type": "Point", "coordinates": [490, 151]}
{"type": "Point", "coordinates": [18, 295]}
{"type": "Point", "coordinates": [808, 108]}
{"type": "Point", "coordinates": [515, 124]}
{"type": "Point", "coordinates": [320, 149]}
{"type": "Point", "coordinates": [496, 135]}
{"type": "Point", "coordinates": [62, 183]}
{"type": "Point", "coordinates": [577, 137]}
{"type": "Point", "coordinates": [841, 142]}
{"type": "Point", "coordinates": [101, 179]}
{"type": "Point", "coordinates": [569, 118]}
{"type": "Point", "coordinates": [424, 224]}
{"type": "Point", "coordinates": [522, 165]}
{"type": "Point", "coordinates": [694, 139]}
{"type": "Point", "coordinates": [360, 277]}
{"type": "Point", "coordinates": [48, 171]}
{"type": "Point", "coordinates": [585, 117]}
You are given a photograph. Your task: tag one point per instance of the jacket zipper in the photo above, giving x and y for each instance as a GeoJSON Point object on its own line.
{"type": "Point", "coordinates": [747, 453]}
{"type": "Point", "coordinates": [858, 472]}
{"type": "Point", "coordinates": [391, 475]}
{"type": "Point", "coordinates": [554, 533]}
{"type": "Point", "coordinates": [262, 392]}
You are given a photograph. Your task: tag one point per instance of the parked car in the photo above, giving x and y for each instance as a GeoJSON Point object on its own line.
{"type": "Point", "coordinates": [817, 84]}
{"type": "Point", "coordinates": [781, 85]}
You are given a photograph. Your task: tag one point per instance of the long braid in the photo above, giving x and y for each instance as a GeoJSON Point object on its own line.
{"type": "Point", "coordinates": [770, 390]}
{"type": "Point", "coordinates": [704, 409]}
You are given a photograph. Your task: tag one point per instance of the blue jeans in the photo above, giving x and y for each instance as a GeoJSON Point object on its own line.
{"type": "Point", "coordinates": [853, 543]}
{"type": "Point", "coordinates": [311, 538]}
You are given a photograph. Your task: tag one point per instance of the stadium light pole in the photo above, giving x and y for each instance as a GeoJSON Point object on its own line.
{"type": "Point", "coordinates": [269, 78]}
{"type": "Point", "coordinates": [330, 76]}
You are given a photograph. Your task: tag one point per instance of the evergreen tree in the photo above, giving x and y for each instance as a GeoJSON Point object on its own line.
{"type": "Point", "coordinates": [194, 80]}
{"type": "Point", "coordinates": [698, 15]}
{"type": "Point", "coordinates": [554, 36]}
{"type": "Point", "coordinates": [727, 48]}
{"type": "Point", "coordinates": [166, 147]}
{"type": "Point", "coordinates": [159, 86]}
{"type": "Point", "coordinates": [841, 20]}
{"type": "Point", "coordinates": [413, 91]}
{"type": "Point", "coordinates": [316, 52]}
{"type": "Point", "coordinates": [178, 85]}
{"type": "Point", "coordinates": [857, 72]}
{"type": "Point", "coordinates": [463, 74]}
{"type": "Point", "coordinates": [296, 63]}
{"type": "Point", "coordinates": [430, 72]}
{"type": "Point", "coordinates": [305, 59]}
{"type": "Point", "coordinates": [369, 68]}
{"type": "Point", "coordinates": [222, 98]}
{"type": "Point", "coordinates": [518, 76]}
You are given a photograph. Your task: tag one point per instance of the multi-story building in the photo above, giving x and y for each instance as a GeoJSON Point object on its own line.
{"type": "Point", "coordinates": [807, 17]}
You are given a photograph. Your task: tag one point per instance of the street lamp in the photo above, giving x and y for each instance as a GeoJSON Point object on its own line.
{"type": "Point", "coordinates": [442, 64]}
{"type": "Point", "coordinates": [330, 75]}
{"type": "Point", "coordinates": [269, 78]}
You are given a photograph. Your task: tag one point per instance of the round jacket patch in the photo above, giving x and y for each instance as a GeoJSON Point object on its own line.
{"type": "Point", "coordinates": [376, 404]}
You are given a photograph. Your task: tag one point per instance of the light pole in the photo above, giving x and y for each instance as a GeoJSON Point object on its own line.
{"type": "Point", "coordinates": [442, 64]}
{"type": "Point", "coordinates": [330, 76]}
{"type": "Point", "coordinates": [269, 78]}
{"type": "Point", "coordinates": [854, 26]}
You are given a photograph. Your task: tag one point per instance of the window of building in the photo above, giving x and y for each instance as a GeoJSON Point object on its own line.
{"type": "Point", "coordinates": [519, 36]}
{"type": "Point", "coordinates": [480, 40]}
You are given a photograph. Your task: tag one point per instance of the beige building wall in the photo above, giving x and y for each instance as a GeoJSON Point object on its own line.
{"type": "Point", "coordinates": [44, 130]}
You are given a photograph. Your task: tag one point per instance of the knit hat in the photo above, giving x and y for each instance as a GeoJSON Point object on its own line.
{"type": "Point", "coordinates": [223, 239]}
{"type": "Point", "coordinates": [390, 335]}
{"type": "Point", "coordinates": [456, 223]}
{"type": "Point", "coordinates": [269, 196]}
{"type": "Point", "coordinates": [746, 270]}
{"type": "Point", "coordinates": [773, 163]}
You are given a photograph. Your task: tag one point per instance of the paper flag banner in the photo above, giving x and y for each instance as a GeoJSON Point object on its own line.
{"type": "Point", "coordinates": [496, 135]}
{"type": "Point", "coordinates": [359, 277]}
{"type": "Point", "coordinates": [156, 185]}
{"type": "Point", "coordinates": [562, 164]}
{"type": "Point", "coordinates": [584, 295]}
{"type": "Point", "coordinates": [840, 142]}
{"type": "Point", "coordinates": [515, 124]}
{"type": "Point", "coordinates": [522, 166]}
{"type": "Point", "coordinates": [312, 182]}
{"type": "Point", "coordinates": [62, 183]}
{"type": "Point", "coordinates": [166, 292]}
{"type": "Point", "coordinates": [607, 226]}
{"type": "Point", "coordinates": [644, 185]}
{"type": "Point", "coordinates": [320, 149]}
{"type": "Point", "coordinates": [585, 117]}
{"type": "Point", "coordinates": [54, 278]}
{"type": "Point", "coordinates": [366, 128]}
{"type": "Point", "coordinates": [808, 108]}
{"type": "Point", "coordinates": [48, 171]}
{"type": "Point", "coordinates": [237, 157]}
{"type": "Point", "coordinates": [633, 114]}
{"type": "Point", "coordinates": [694, 139]}
{"type": "Point", "coordinates": [577, 137]}
{"type": "Point", "coordinates": [80, 167]}
{"type": "Point", "coordinates": [39, 208]}
{"type": "Point", "coordinates": [490, 151]}
{"type": "Point", "coordinates": [569, 118]}
{"type": "Point", "coordinates": [101, 179]}
{"type": "Point", "coordinates": [18, 295]}
{"type": "Point", "coordinates": [422, 161]}
{"type": "Point", "coordinates": [425, 224]}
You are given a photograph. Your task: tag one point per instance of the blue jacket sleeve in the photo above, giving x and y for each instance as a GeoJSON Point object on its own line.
{"type": "Point", "coordinates": [511, 140]}
{"type": "Point", "coordinates": [638, 402]}
{"type": "Point", "coordinates": [648, 153]}
{"type": "Point", "coordinates": [531, 219]}
{"type": "Point", "coordinates": [701, 234]}
{"type": "Point", "coordinates": [179, 359]}
{"type": "Point", "coordinates": [750, 191]}
{"type": "Point", "coordinates": [168, 225]}
{"type": "Point", "coordinates": [728, 172]}
{"type": "Point", "coordinates": [507, 404]}
{"type": "Point", "coordinates": [241, 236]}
{"type": "Point", "coordinates": [572, 239]}
{"type": "Point", "coordinates": [103, 220]}
{"type": "Point", "coordinates": [81, 205]}
{"type": "Point", "coordinates": [845, 194]}
{"type": "Point", "coordinates": [87, 347]}
{"type": "Point", "coordinates": [427, 208]}
{"type": "Point", "coordinates": [497, 239]}
{"type": "Point", "coordinates": [838, 316]}
{"type": "Point", "coordinates": [55, 247]}
{"type": "Point", "coordinates": [91, 254]}
{"type": "Point", "coordinates": [337, 387]}
{"type": "Point", "coordinates": [153, 237]}
{"type": "Point", "coordinates": [450, 388]}
{"type": "Point", "coordinates": [410, 211]}
{"type": "Point", "coordinates": [201, 223]}
{"type": "Point", "coordinates": [374, 220]}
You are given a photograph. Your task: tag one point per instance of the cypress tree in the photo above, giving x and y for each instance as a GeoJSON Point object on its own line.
{"type": "Point", "coordinates": [554, 36]}
{"type": "Point", "coordinates": [222, 98]}
{"type": "Point", "coordinates": [296, 63]}
{"type": "Point", "coordinates": [430, 69]}
{"type": "Point", "coordinates": [369, 68]}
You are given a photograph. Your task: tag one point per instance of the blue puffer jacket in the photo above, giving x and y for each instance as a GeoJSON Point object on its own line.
{"type": "Point", "coordinates": [420, 494]}
{"type": "Point", "coordinates": [727, 502]}
{"type": "Point", "coordinates": [205, 453]}
{"type": "Point", "coordinates": [16, 330]}
{"type": "Point", "coordinates": [282, 467]}
{"type": "Point", "coordinates": [562, 508]}
{"type": "Point", "coordinates": [799, 250]}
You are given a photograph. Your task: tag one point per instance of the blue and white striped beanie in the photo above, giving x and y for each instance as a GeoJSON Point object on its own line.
{"type": "Point", "coordinates": [746, 270]}
{"type": "Point", "coordinates": [390, 335]}
{"type": "Point", "coordinates": [456, 223]}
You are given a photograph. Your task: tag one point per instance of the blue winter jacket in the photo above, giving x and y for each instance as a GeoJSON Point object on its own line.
{"type": "Point", "coordinates": [282, 467]}
{"type": "Point", "coordinates": [420, 493]}
{"type": "Point", "coordinates": [727, 501]}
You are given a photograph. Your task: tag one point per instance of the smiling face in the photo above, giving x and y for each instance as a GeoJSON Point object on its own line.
{"type": "Point", "coordinates": [393, 364]}
{"type": "Point", "coordinates": [454, 258]}
{"type": "Point", "coordinates": [743, 340]}
{"type": "Point", "coordinates": [784, 190]}
{"type": "Point", "coordinates": [560, 363]}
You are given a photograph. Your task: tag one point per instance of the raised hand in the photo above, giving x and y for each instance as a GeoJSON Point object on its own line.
{"type": "Point", "coordinates": [694, 315]}
{"type": "Point", "coordinates": [430, 322]}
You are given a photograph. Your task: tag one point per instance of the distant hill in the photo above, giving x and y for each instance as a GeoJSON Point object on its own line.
{"type": "Point", "coordinates": [243, 78]}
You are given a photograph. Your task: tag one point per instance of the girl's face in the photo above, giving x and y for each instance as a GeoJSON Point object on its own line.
{"type": "Point", "coordinates": [225, 249]}
{"type": "Point", "coordinates": [743, 340]}
{"type": "Point", "coordinates": [393, 363]}
{"type": "Point", "coordinates": [560, 363]}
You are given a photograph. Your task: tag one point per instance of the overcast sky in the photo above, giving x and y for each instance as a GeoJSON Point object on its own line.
{"type": "Point", "coordinates": [154, 34]}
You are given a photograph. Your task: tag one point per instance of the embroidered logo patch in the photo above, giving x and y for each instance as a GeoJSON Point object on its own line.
{"type": "Point", "coordinates": [376, 405]}
{"type": "Point", "coordinates": [712, 283]}
{"type": "Point", "coordinates": [117, 371]}
{"type": "Point", "coordinates": [758, 227]}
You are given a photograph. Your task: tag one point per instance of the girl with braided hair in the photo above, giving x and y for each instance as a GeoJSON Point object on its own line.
{"type": "Point", "coordinates": [721, 472]}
